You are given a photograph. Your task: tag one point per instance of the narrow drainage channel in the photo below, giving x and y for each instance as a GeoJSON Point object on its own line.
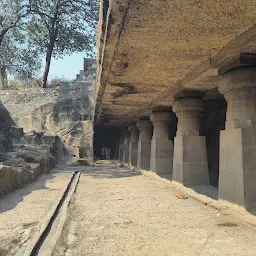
{"type": "Point", "coordinates": [46, 243]}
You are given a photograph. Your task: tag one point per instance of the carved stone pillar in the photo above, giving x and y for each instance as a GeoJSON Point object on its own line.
{"type": "Point", "coordinates": [121, 149]}
{"type": "Point", "coordinates": [161, 146]}
{"type": "Point", "coordinates": [190, 155]}
{"type": "Point", "coordinates": [144, 146]}
{"type": "Point", "coordinates": [127, 136]}
{"type": "Point", "coordinates": [133, 148]}
{"type": "Point", "coordinates": [237, 180]}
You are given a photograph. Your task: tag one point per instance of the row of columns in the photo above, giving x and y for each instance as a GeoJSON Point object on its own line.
{"type": "Point", "coordinates": [147, 145]}
{"type": "Point", "coordinates": [186, 159]}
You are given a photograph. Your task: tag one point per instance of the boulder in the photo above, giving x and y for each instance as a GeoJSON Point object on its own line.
{"type": "Point", "coordinates": [79, 162]}
{"type": "Point", "coordinates": [8, 179]}
{"type": "Point", "coordinates": [17, 162]}
{"type": "Point", "coordinates": [5, 124]}
{"type": "Point", "coordinates": [16, 134]}
{"type": "Point", "coordinates": [30, 156]}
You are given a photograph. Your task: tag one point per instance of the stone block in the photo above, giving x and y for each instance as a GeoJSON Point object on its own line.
{"type": "Point", "coordinates": [144, 152]}
{"type": "Point", "coordinates": [190, 160]}
{"type": "Point", "coordinates": [238, 167]}
{"type": "Point", "coordinates": [161, 156]}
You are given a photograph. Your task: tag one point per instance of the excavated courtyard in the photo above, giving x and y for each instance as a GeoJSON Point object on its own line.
{"type": "Point", "coordinates": [115, 211]}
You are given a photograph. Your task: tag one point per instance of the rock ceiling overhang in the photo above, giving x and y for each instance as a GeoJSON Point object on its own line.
{"type": "Point", "coordinates": [150, 50]}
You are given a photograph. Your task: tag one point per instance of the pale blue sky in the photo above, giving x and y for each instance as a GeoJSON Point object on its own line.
{"type": "Point", "coordinates": [67, 67]}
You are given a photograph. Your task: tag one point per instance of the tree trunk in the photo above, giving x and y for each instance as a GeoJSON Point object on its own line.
{"type": "Point", "coordinates": [48, 63]}
{"type": "Point", "coordinates": [3, 78]}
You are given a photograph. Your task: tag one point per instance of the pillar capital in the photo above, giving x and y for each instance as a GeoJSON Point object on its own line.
{"type": "Point", "coordinates": [187, 104]}
{"type": "Point", "coordinates": [161, 121]}
{"type": "Point", "coordinates": [241, 93]}
{"type": "Point", "coordinates": [144, 124]}
{"type": "Point", "coordinates": [239, 89]}
{"type": "Point", "coordinates": [133, 128]}
{"type": "Point", "coordinates": [134, 131]}
{"type": "Point", "coordinates": [238, 79]}
{"type": "Point", "coordinates": [160, 117]}
{"type": "Point", "coordinates": [189, 94]}
{"type": "Point", "coordinates": [126, 133]}
{"type": "Point", "coordinates": [187, 111]}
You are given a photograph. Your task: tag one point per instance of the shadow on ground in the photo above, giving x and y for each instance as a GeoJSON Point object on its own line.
{"type": "Point", "coordinates": [11, 200]}
{"type": "Point", "coordinates": [103, 172]}
{"type": "Point", "coordinates": [206, 190]}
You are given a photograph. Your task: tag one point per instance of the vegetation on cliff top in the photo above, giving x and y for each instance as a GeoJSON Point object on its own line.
{"type": "Point", "coordinates": [30, 29]}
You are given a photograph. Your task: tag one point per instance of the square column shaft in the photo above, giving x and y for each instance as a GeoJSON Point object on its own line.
{"type": "Point", "coordinates": [126, 151]}
{"type": "Point", "coordinates": [133, 147]}
{"type": "Point", "coordinates": [161, 146]}
{"type": "Point", "coordinates": [121, 149]}
{"type": "Point", "coordinates": [237, 181]}
{"type": "Point", "coordinates": [144, 145]}
{"type": "Point", "coordinates": [190, 155]}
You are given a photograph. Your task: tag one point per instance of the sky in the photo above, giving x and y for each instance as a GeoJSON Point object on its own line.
{"type": "Point", "coordinates": [67, 67]}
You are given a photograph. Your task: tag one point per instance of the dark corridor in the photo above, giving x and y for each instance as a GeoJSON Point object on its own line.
{"type": "Point", "coordinates": [106, 138]}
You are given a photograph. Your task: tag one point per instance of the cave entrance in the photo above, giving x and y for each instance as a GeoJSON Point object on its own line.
{"type": "Point", "coordinates": [106, 142]}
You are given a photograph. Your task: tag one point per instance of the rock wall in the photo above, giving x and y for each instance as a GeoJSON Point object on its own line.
{"type": "Point", "coordinates": [27, 161]}
{"type": "Point", "coordinates": [56, 121]}
{"type": "Point", "coordinates": [5, 125]}
{"type": "Point", "coordinates": [66, 111]}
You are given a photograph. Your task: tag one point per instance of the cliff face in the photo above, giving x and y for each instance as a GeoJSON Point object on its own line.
{"type": "Point", "coordinates": [5, 124]}
{"type": "Point", "coordinates": [66, 111]}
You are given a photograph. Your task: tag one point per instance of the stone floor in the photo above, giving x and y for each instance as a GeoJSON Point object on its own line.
{"type": "Point", "coordinates": [23, 211]}
{"type": "Point", "coordinates": [119, 212]}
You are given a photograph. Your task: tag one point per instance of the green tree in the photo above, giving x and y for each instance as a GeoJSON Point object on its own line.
{"type": "Point", "coordinates": [13, 15]}
{"type": "Point", "coordinates": [60, 27]}
{"type": "Point", "coordinates": [19, 59]}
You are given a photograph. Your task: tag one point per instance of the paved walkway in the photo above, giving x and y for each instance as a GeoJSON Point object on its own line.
{"type": "Point", "coordinates": [119, 212]}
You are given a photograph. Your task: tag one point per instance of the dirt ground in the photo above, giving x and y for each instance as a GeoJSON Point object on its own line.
{"type": "Point", "coordinates": [119, 212]}
{"type": "Point", "coordinates": [22, 211]}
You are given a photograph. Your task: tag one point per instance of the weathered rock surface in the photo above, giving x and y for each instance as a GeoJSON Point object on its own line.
{"type": "Point", "coordinates": [78, 139]}
{"type": "Point", "coordinates": [13, 177]}
{"type": "Point", "coordinates": [79, 162]}
{"type": "Point", "coordinates": [16, 134]}
{"type": "Point", "coordinates": [66, 111]}
{"type": "Point", "coordinates": [5, 124]}
{"type": "Point", "coordinates": [28, 161]}
{"type": "Point", "coordinates": [48, 123]}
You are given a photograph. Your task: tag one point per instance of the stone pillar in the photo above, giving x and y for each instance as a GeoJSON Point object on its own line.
{"type": "Point", "coordinates": [144, 146]}
{"type": "Point", "coordinates": [161, 146]}
{"type": "Point", "coordinates": [127, 136]}
{"type": "Point", "coordinates": [133, 148]}
{"type": "Point", "coordinates": [190, 155]}
{"type": "Point", "coordinates": [121, 149]}
{"type": "Point", "coordinates": [237, 180]}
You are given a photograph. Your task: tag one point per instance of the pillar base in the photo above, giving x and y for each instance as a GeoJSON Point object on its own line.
{"type": "Point", "coordinates": [190, 160]}
{"type": "Point", "coordinates": [237, 181]}
{"type": "Point", "coordinates": [144, 151]}
{"type": "Point", "coordinates": [161, 156]}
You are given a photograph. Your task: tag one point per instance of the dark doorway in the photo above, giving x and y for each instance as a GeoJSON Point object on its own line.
{"type": "Point", "coordinates": [106, 138]}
